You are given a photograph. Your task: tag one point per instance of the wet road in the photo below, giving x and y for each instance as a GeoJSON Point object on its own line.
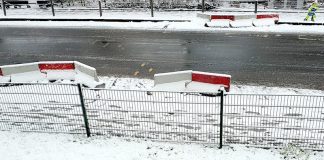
{"type": "Point", "coordinates": [264, 59]}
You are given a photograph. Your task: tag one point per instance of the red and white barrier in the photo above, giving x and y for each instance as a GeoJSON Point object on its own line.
{"type": "Point", "coordinates": [191, 81]}
{"type": "Point", "coordinates": [27, 72]}
{"type": "Point", "coordinates": [50, 70]}
{"type": "Point", "coordinates": [58, 70]}
{"type": "Point", "coordinates": [212, 78]}
{"type": "Point", "coordinates": [235, 17]}
{"type": "Point", "coordinates": [274, 16]}
{"type": "Point", "coordinates": [88, 70]}
{"type": "Point", "coordinates": [239, 20]}
{"type": "Point", "coordinates": [231, 17]}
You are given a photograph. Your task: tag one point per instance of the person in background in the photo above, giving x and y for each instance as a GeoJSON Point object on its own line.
{"type": "Point", "coordinates": [311, 11]}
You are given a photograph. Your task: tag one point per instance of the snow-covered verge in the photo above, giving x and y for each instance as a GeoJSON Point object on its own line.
{"type": "Point", "coordinates": [260, 120]}
{"type": "Point", "coordinates": [126, 116]}
{"type": "Point", "coordinates": [40, 146]}
{"type": "Point", "coordinates": [147, 84]}
{"type": "Point", "coordinates": [169, 26]}
{"type": "Point", "coordinates": [196, 23]}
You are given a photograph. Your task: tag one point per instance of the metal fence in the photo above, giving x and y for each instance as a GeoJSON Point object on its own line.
{"type": "Point", "coordinates": [249, 119]}
{"type": "Point", "coordinates": [167, 116]}
{"type": "Point", "coordinates": [40, 108]}
{"type": "Point", "coordinates": [107, 7]}
{"type": "Point", "coordinates": [274, 120]}
{"type": "Point", "coordinates": [194, 4]}
{"type": "Point", "coordinates": [159, 4]}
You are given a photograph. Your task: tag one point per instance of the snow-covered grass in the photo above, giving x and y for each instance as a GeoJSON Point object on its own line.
{"type": "Point", "coordinates": [40, 146]}
{"type": "Point", "coordinates": [169, 26]}
{"type": "Point", "coordinates": [126, 109]}
{"type": "Point", "coordinates": [139, 113]}
{"type": "Point", "coordinates": [196, 23]}
{"type": "Point", "coordinates": [147, 84]}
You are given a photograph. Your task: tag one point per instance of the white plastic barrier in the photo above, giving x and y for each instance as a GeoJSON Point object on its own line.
{"type": "Point", "coordinates": [92, 72]}
{"type": "Point", "coordinates": [19, 68]}
{"type": "Point", "coordinates": [204, 16]}
{"type": "Point", "coordinates": [234, 17]}
{"type": "Point", "coordinates": [4, 79]}
{"type": "Point", "coordinates": [28, 72]}
{"type": "Point", "coordinates": [219, 20]}
{"type": "Point", "coordinates": [191, 81]}
{"type": "Point", "coordinates": [223, 80]}
{"type": "Point", "coordinates": [50, 70]}
{"type": "Point", "coordinates": [58, 70]}
{"type": "Point", "coordinates": [162, 78]}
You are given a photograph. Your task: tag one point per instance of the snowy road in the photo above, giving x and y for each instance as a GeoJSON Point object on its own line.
{"type": "Point", "coordinates": [259, 58]}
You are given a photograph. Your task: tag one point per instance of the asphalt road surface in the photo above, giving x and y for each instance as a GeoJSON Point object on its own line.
{"type": "Point", "coordinates": [290, 60]}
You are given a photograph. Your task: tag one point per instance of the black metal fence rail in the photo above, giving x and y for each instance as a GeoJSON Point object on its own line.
{"type": "Point", "coordinates": [167, 116]}
{"type": "Point", "coordinates": [274, 120]}
{"type": "Point", "coordinates": [146, 5]}
{"type": "Point", "coordinates": [249, 119]}
{"type": "Point", "coordinates": [40, 108]}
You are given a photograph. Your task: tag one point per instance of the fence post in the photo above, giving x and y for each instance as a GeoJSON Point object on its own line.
{"type": "Point", "coordinates": [221, 114]}
{"type": "Point", "coordinates": [203, 6]}
{"type": "Point", "coordinates": [4, 8]}
{"type": "Point", "coordinates": [52, 6]}
{"type": "Point", "coordinates": [151, 6]}
{"type": "Point", "coordinates": [85, 117]}
{"type": "Point", "coordinates": [100, 10]}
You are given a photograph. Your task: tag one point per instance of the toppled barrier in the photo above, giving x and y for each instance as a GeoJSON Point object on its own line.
{"type": "Point", "coordinates": [192, 81]}
{"type": "Point", "coordinates": [50, 71]}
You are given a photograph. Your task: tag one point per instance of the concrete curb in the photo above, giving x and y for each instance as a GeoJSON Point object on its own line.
{"type": "Point", "coordinates": [91, 19]}
{"type": "Point", "coordinates": [302, 23]}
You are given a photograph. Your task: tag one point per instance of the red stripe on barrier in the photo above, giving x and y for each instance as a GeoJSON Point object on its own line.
{"type": "Point", "coordinates": [1, 74]}
{"type": "Point", "coordinates": [260, 16]}
{"type": "Point", "coordinates": [212, 79]}
{"type": "Point", "coordinates": [222, 17]}
{"type": "Point", "coordinates": [56, 66]}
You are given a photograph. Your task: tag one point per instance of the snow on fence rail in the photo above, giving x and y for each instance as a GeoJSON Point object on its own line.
{"type": "Point", "coordinates": [254, 120]}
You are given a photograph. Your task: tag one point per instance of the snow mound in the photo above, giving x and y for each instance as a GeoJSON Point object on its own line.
{"type": "Point", "coordinates": [218, 24]}
{"type": "Point", "coordinates": [263, 22]}
{"type": "Point", "coordinates": [241, 23]}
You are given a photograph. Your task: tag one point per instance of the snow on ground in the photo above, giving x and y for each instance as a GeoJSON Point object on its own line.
{"type": "Point", "coordinates": [125, 117]}
{"type": "Point", "coordinates": [33, 146]}
{"type": "Point", "coordinates": [170, 26]}
{"type": "Point", "coordinates": [196, 24]}
{"type": "Point", "coordinates": [297, 16]}
{"type": "Point", "coordinates": [147, 84]}
{"type": "Point", "coordinates": [40, 146]}
{"type": "Point", "coordinates": [169, 116]}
